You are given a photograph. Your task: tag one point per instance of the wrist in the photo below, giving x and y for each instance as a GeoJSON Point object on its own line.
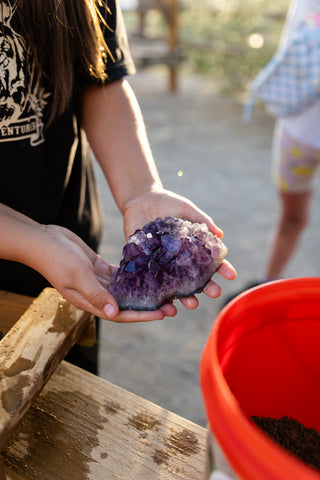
{"type": "Point", "coordinates": [18, 234]}
{"type": "Point", "coordinates": [29, 245]}
{"type": "Point", "coordinates": [143, 196]}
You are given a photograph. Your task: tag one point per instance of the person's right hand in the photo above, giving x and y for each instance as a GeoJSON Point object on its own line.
{"type": "Point", "coordinates": [83, 277]}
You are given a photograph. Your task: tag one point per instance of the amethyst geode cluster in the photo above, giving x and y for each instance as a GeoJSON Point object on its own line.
{"type": "Point", "coordinates": [169, 258]}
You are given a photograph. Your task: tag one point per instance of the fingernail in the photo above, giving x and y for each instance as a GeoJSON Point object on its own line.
{"type": "Point", "coordinates": [213, 291]}
{"type": "Point", "coordinates": [109, 310]}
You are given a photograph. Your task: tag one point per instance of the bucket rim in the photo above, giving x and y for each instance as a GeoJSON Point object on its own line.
{"type": "Point", "coordinates": [225, 415]}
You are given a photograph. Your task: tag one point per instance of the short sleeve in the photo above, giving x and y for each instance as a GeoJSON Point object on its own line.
{"type": "Point", "coordinates": [119, 62]}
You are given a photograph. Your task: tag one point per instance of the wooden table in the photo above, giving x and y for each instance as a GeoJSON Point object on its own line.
{"type": "Point", "coordinates": [82, 427]}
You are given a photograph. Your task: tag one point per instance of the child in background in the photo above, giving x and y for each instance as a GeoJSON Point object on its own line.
{"type": "Point", "coordinates": [295, 160]}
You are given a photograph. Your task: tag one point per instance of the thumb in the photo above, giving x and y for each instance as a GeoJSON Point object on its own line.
{"type": "Point", "coordinates": [102, 301]}
{"type": "Point", "coordinates": [94, 298]}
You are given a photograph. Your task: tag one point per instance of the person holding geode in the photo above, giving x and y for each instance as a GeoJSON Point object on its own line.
{"type": "Point", "coordinates": [63, 96]}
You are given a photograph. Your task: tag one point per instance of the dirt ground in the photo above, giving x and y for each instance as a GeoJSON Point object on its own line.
{"type": "Point", "coordinates": [203, 151]}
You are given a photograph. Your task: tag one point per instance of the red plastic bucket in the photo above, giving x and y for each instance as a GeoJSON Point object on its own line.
{"type": "Point", "coordinates": [262, 358]}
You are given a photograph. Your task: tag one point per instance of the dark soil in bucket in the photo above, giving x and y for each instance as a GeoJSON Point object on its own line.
{"type": "Point", "coordinates": [290, 434]}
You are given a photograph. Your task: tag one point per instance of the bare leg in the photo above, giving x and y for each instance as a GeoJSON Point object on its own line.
{"type": "Point", "coordinates": [294, 218]}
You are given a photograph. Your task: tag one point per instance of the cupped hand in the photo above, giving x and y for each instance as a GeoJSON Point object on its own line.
{"type": "Point", "coordinates": [161, 203]}
{"type": "Point", "coordinates": [83, 277]}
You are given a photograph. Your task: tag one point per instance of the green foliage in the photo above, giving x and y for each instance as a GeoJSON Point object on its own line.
{"type": "Point", "coordinates": [216, 33]}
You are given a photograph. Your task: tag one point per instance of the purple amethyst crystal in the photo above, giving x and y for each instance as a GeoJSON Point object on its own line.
{"type": "Point", "coordinates": [169, 258]}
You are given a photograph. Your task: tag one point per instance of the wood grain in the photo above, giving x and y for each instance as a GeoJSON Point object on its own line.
{"type": "Point", "coordinates": [82, 427]}
{"type": "Point", "coordinates": [31, 351]}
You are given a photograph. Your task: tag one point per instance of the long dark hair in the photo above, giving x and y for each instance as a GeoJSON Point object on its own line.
{"type": "Point", "coordinates": [63, 35]}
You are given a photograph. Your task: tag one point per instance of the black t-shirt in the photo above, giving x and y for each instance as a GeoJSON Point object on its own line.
{"type": "Point", "coordinates": [47, 173]}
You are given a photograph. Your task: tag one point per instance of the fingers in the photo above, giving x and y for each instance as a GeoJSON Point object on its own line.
{"type": "Point", "coordinates": [215, 230]}
{"type": "Point", "coordinates": [102, 304]}
{"type": "Point", "coordinates": [169, 309]}
{"type": "Point", "coordinates": [227, 270]}
{"type": "Point", "coordinates": [212, 289]}
{"type": "Point", "coordinates": [96, 304]}
{"type": "Point", "coordinates": [130, 316]}
{"type": "Point", "coordinates": [190, 302]}
{"type": "Point", "coordinates": [97, 301]}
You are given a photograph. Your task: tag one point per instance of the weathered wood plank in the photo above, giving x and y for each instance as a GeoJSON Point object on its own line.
{"type": "Point", "coordinates": [31, 351]}
{"type": "Point", "coordinates": [82, 427]}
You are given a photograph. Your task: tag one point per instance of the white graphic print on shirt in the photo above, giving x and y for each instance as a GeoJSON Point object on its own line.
{"type": "Point", "coordinates": [22, 100]}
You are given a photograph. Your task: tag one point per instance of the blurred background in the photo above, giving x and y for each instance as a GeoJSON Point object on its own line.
{"type": "Point", "coordinates": [228, 40]}
{"type": "Point", "coordinates": [194, 63]}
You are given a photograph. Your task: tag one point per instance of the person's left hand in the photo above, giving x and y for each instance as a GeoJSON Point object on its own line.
{"type": "Point", "coordinates": [162, 203]}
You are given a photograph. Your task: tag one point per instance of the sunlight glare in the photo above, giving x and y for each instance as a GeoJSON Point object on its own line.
{"type": "Point", "coordinates": [256, 40]}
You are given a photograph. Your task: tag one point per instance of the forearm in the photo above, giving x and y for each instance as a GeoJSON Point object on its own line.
{"type": "Point", "coordinates": [112, 120]}
{"type": "Point", "coordinates": [18, 236]}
